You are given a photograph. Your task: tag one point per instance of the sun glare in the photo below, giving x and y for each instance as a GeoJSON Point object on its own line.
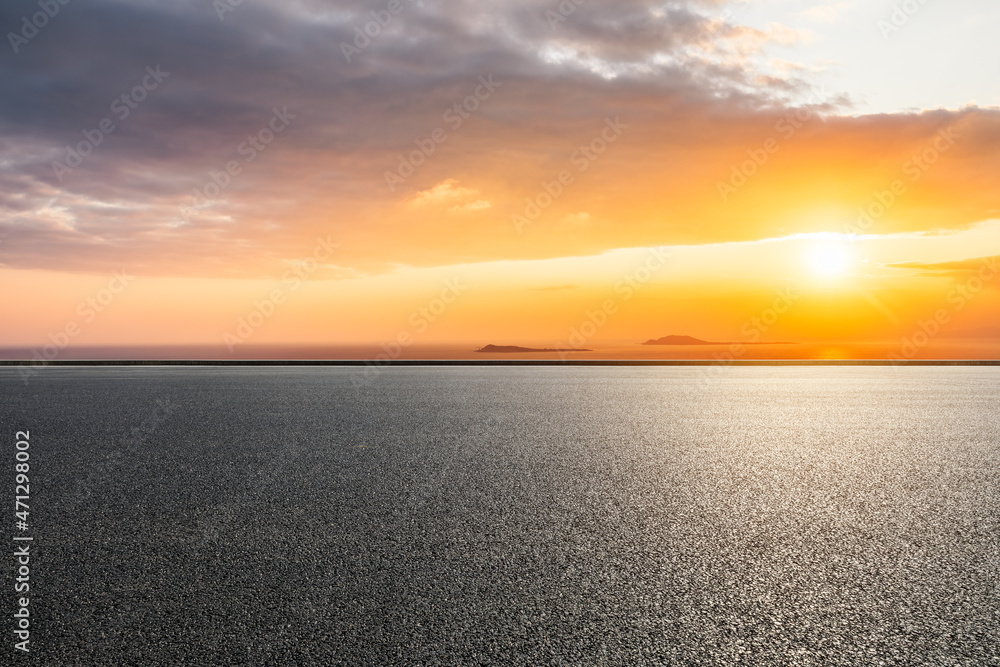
{"type": "Point", "coordinates": [829, 256]}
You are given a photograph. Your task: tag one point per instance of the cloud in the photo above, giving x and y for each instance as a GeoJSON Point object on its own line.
{"type": "Point", "coordinates": [958, 268]}
{"type": "Point", "coordinates": [685, 77]}
{"type": "Point", "coordinates": [450, 193]}
{"type": "Point", "coordinates": [478, 205]}
{"type": "Point", "coordinates": [446, 191]}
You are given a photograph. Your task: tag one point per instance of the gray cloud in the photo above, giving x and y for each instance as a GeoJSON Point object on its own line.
{"type": "Point", "coordinates": [352, 118]}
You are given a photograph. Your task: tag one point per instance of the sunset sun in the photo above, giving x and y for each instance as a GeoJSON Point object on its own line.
{"type": "Point", "coordinates": [829, 256]}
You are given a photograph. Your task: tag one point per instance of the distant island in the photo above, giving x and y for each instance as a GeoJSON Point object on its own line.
{"type": "Point", "coordinates": [690, 340]}
{"type": "Point", "coordinates": [679, 340]}
{"type": "Point", "coordinates": [513, 349]}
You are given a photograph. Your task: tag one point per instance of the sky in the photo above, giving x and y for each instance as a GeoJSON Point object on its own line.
{"type": "Point", "coordinates": [580, 174]}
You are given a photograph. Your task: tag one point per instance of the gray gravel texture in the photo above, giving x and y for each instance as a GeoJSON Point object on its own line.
{"type": "Point", "coordinates": [509, 516]}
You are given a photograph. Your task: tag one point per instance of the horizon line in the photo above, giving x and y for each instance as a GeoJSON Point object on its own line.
{"type": "Point", "coordinates": [499, 362]}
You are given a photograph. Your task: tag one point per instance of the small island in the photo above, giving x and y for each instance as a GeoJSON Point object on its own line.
{"type": "Point", "coordinates": [679, 340]}
{"type": "Point", "coordinates": [513, 349]}
{"type": "Point", "coordinates": [691, 340]}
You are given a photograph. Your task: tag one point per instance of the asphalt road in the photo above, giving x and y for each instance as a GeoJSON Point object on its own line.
{"type": "Point", "coordinates": [510, 516]}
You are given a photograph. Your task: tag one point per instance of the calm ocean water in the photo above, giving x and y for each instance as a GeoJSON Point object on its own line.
{"type": "Point", "coordinates": [512, 515]}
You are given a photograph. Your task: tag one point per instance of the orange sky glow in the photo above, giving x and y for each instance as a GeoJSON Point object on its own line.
{"type": "Point", "coordinates": [481, 174]}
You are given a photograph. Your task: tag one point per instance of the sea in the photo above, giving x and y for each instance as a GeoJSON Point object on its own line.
{"type": "Point", "coordinates": [508, 515]}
